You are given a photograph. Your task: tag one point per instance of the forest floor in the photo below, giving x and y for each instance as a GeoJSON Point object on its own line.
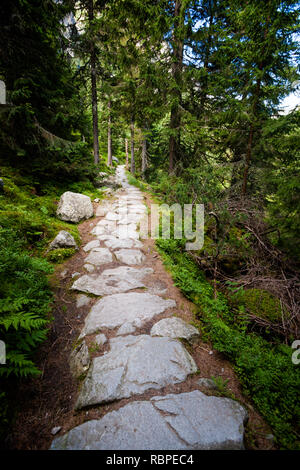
{"type": "Point", "coordinates": [50, 400]}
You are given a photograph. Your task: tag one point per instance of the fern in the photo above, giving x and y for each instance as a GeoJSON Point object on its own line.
{"type": "Point", "coordinates": [25, 299]}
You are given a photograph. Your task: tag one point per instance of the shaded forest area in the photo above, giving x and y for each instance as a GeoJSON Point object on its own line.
{"type": "Point", "coordinates": [187, 94]}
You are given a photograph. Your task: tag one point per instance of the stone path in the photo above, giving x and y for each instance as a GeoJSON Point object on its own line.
{"type": "Point", "coordinates": [136, 362]}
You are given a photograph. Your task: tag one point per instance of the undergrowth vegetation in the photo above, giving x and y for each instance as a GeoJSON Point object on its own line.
{"type": "Point", "coordinates": [28, 223]}
{"type": "Point", "coordinates": [264, 368]}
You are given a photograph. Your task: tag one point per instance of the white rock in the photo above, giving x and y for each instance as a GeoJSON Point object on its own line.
{"type": "Point", "coordinates": [132, 307]}
{"type": "Point", "coordinates": [93, 244]}
{"type": "Point", "coordinates": [133, 365]}
{"type": "Point", "coordinates": [175, 328]}
{"type": "Point", "coordinates": [74, 207]}
{"type": "Point", "coordinates": [55, 430]}
{"type": "Point", "coordinates": [107, 284]}
{"type": "Point", "coordinates": [117, 243]}
{"type": "Point", "coordinates": [102, 210]}
{"type": "Point", "coordinates": [126, 329]}
{"type": "Point", "coordinates": [90, 268]}
{"type": "Point", "coordinates": [185, 421]}
{"type": "Point", "coordinates": [126, 271]}
{"type": "Point", "coordinates": [63, 240]}
{"type": "Point", "coordinates": [100, 339]}
{"type": "Point", "coordinates": [99, 256]}
{"type": "Point", "coordinates": [130, 256]}
{"type": "Point", "coordinates": [111, 216]}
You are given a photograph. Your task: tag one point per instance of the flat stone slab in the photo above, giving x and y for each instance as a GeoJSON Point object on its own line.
{"type": "Point", "coordinates": [133, 365]}
{"type": "Point", "coordinates": [130, 256]}
{"type": "Point", "coordinates": [105, 237]}
{"type": "Point", "coordinates": [99, 256]}
{"type": "Point", "coordinates": [101, 230]}
{"type": "Point", "coordinates": [111, 216]}
{"type": "Point", "coordinates": [126, 231]}
{"type": "Point", "coordinates": [90, 268]}
{"type": "Point", "coordinates": [125, 271]}
{"type": "Point", "coordinates": [122, 210]}
{"type": "Point", "coordinates": [102, 210]}
{"type": "Point", "coordinates": [174, 328]}
{"type": "Point", "coordinates": [130, 218]}
{"type": "Point", "coordinates": [118, 243]}
{"type": "Point", "coordinates": [114, 310]}
{"type": "Point", "coordinates": [110, 224]}
{"type": "Point", "coordinates": [91, 245]}
{"type": "Point", "coordinates": [106, 284]}
{"type": "Point", "coordinates": [191, 421]}
{"type": "Point", "coordinates": [125, 329]}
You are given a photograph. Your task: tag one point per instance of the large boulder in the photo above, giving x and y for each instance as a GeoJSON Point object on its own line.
{"type": "Point", "coordinates": [74, 207]}
{"type": "Point", "coordinates": [63, 240]}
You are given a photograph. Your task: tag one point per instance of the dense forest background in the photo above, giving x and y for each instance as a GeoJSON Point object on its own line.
{"type": "Point", "coordinates": [188, 94]}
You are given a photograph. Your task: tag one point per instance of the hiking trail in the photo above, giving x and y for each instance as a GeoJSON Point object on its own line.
{"type": "Point", "coordinates": [131, 299]}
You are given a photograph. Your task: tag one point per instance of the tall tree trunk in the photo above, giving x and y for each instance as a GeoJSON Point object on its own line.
{"type": "Point", "coordinates": [175, 120]}
{"type": "Point", "coordinates": [204, 89]}
{"type": "Point", "coordinates": [126, 152]}
{"type": "Point", "coordinates": [144, 153]}
{"type": "Point", "coordinates": [90, 6]}
{"type": "Point", "coordinates": [251, 133]}
{"type": "Point", "coordinates": [132, 165]}
{"type": "Point", "coordinates": [248, 160]}
{"type": "Point", "coordinates": [109, 143]}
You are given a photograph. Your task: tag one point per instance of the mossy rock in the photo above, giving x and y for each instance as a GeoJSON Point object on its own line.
{"type": "Point", "coordinates": [59, 255]}
{"type": "Point", "coordinates": [260, 303]}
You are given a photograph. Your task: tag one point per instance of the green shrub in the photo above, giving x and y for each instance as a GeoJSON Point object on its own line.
{"type": "Point", "coordinates": [60, 254]}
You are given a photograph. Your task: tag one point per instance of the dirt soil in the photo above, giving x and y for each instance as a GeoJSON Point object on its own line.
{"type": "Point", "coordinates": [48, 401]}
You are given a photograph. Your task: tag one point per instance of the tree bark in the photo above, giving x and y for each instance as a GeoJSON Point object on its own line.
{"type": "Point", "coordinates": [177, 61]}
{"type": "Point", "coordinates": [126, 152]}
{"type": "Point", "coordinates": [144, 153]}
{"type": "Point", "coordinates": [203, 93]}
{"type": "Point", "coordinates": [251, 133]}
{"type": "Point", "coordinates": [109, 141]}
{"type": "Point", "coordinates": [132, 163]}
{"type": "Point", "coordinates": [94, 85]}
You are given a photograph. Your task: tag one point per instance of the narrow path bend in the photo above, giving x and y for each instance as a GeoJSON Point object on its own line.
{"type": "Point", "coordinates": [135, 346]}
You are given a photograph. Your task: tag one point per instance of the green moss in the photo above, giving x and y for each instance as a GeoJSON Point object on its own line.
{"type": "Point", "coordinates": [260, 303]}
{"type": "Point", "coordinates": [59, 255]}
{"type": "Point", "coordinates": [30, 216]}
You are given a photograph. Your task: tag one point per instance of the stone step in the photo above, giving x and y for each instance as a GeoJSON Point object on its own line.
{"type": "Point", "coordinates": [133, 307]}
{"type": "Point", "coordinates": [112, 281]}
{"type": "Point", "coordinates": [187, 421]}
{"type": "Point", "coordinates": [133, 365]}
